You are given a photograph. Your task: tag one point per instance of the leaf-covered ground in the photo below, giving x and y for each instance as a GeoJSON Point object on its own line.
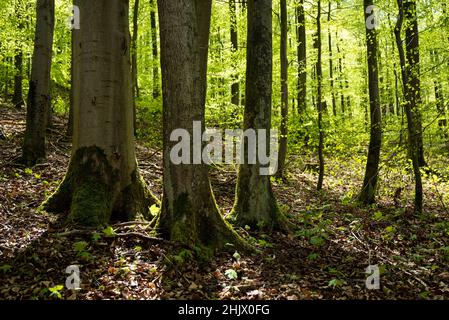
{"type": "Point", "coordinates": [325, 258]}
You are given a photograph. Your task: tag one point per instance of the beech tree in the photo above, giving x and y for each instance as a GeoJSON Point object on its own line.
{"type": "Point", "coordinates": [102, 182]}
{"type": "Point", "coordinates": [368, 192]}
{"type": "Point", "coordinates": [39, 92]}
{"type": "Point", "coordinates": [255, 204]}
{"type": "Point", "coordinates": [189, 212]}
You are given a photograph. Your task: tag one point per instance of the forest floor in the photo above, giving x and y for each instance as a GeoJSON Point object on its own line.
{"type": "Point", "coordinates": [325, 258]}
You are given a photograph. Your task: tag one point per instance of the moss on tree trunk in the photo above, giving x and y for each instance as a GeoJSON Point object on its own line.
{"type": "Point", "coordinates": [92, 194]}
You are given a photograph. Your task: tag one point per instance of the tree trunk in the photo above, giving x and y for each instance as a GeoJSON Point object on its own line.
{"type": "Point", "coordinates": [368, 193]}
{"type": "Point", "coordinates": [17, 99]}
{"type": "Point", "coordinates": [284, 91]}
{"type": "Point", "coordinates": [341, 78]}
{"type": "Point", "coordinates": [319, 75]}
{"type": "Point", "coordinates": [413, 67]}
{"type": "Point", "coordinates": [189, 212]}
{"type": "Point", "coordinates": [102, 183]}
{"type": "Point", "coordinates": [235, 87]}
{"type": "Point", "coordinates": [39, 93]}
{"type": "Point", "coordinates": [255, 204]}
{"type": "Point", "coordinates": [331, 62]}
{"type": "Point", "coordinates": [302, 57]}
{"type": "Point", "coordinates": [410, 110]}
{"type": "Point", "coordinates": [135, 82]}
{"type": "Point", "coordinates": [156, 85]}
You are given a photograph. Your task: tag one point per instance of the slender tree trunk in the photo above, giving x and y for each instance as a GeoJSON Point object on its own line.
{"type": "Point", "coordinates": [410, 110]}
{"type": "Point", "coordinates": [331, 63]}
{"type": "Point", "coordinates": [319, 75]}
{"type": "Point", "coordinates": [189, 213]}
{"type": "Point", "coordinates": [17, 99]}
{"type": "Point", "coordinates": [255, 204]}
{"type": "Point", "coordinates": [302, 58]}
{"type": "Point", "coordinates": [368, 193]}
{"type": "Point", "coordinates": [341, 78]}
{"type": "Point", "coordinates": [6, 92]}
{"type": "Point", "coordinates": [39, 93]}
{"type": "Point", "coordinates": [235, 87]}
{"type": "Point", "coordinates": [284, 91]}
{"type": "Point", "coordinates": [154, 50]}
{"type": "Point", "coordinates": [413, 66]}
{"type": "Point", "coordinates": [135, 82]}
{"type": "Point", "coordinates": [102, 183]}
{"type": "Point", "coordinates": [441, 109]}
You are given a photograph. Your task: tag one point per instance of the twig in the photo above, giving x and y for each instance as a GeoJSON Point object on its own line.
{"type": "Point", "coordinates": [130, 223]}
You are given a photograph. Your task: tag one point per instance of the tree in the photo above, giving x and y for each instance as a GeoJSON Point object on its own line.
{"type": "Point", "coordinates": [320, 104]}
{"type": "Point", "coordinates": [156, 89]}
{"type": "Point", "coordinates": [368, 193]}
{"type": "Point", "coordinates": [39, 92]}
{"type": "Point", "coordinates": [284, 90]}
{"type": "Point", "coordinates": [102, 182]}
{"type": "Point", "coordinates": [410, 109]}
{"type": "Point", "coordinates": [331, 62]}
{"type": "Point", "coordinates": [235, 87]}
{"type": "Point", "coordinates": [413, 67]}
{"type": "Point", "coordinates": [255, 204]}
{"type": "Point", "coordinates": [189, 212]}
{"type": "Point", "coordinates": [135, 82]}
{"type": "Point", "coordinates": [302, 56]}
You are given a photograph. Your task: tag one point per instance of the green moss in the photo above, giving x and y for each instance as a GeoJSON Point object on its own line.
{"type": "Point", "coordinates": [87, 190]}
{"type": "Point", "coordinates": [201, 228]}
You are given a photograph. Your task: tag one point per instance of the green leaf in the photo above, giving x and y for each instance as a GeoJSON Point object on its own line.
{"type": "Point", "coordinates": [109, 232]}
{"type": "Point", "coordinates": [236, 256]}
{"type": "Point", "coordinates": [317, 241]}
{"type": "Point", "coordinates": [231, 274]}
{"type": "Point", "coordinates": [154, 210]}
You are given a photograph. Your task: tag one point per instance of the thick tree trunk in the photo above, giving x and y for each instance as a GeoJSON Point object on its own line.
{"type": "Point", "coordinates": [156, 84]}
{"type": "Point", "coordinates": [302, 57]}
{"type": "Point", "coordinates": [284, 91]}
{"type": "Point", "coordinates": [368, 193]}
{"type": "Point", "coordinates": [255, 204]}
{"type": "Point", "coordinates": [39, 93]}
{"type": "Point", "coordinates": [320, 104]}
{"type": "Point", "coordinates": [410, 110]}
{"type": "Point", "coordinates": [235, 87]}
{"type": "Point", "coordinates": [189, 212]}
{"type": "Point", "coordinates": [102, 182]}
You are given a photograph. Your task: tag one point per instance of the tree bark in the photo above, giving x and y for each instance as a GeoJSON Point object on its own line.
{"type": "Point", "coordinates": [302, 58]}
{"type": "Point", "coordinates": [135, 82]}
{"type": "Point", "coordinates": [235, 87]}
{"type": "Point", "coordinates": [410, 110]}
{"type": "Point", "coordinates": [154, 50]}
{"type": "Point", "coordinates": [102, 183]}
{"type": "Point", "coordinates": [39, 92]}
{"type": "Point", "coordinates": [189, 212]}
{"type": "Point", "coordinates": [17, 99]}
{"type": "Point", "coordinates": [319, 75]}
{"type": "Point", "coordinates": [368, 193]}
{"type": "Point", "coordinates": [413, 70]}
{"type": "Point", "coordinates": [284, 91]}
{"type": "Point", "coordinates": [255, 204]}
{"type": "Point", "coordinates": [331, 62]}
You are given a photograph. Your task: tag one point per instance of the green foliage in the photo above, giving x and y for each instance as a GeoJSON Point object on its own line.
{"type": "Point", "coordinates": [231, 274]}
